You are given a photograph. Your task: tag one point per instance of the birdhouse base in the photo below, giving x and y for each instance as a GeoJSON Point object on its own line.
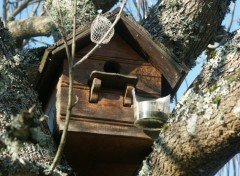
{"type": "Point", "coordinates": [95, 154]}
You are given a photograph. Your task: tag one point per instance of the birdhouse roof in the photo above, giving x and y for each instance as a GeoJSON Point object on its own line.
{"type": "Point", "coordinates": [135, 35]}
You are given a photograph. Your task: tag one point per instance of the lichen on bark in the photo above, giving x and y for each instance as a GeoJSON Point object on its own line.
{"type": "Point", "coordinates": [20, 155]}
{"type": "Point", "coordinates": [186, 27]}
{"type": "Point", "coordinates": [215, 141]}
{"type": "Point", "coordinates": [62, 15]}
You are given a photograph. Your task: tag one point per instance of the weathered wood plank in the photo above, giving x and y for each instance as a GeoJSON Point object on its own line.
{"type": "Point", "coordinates": [108, 116]}
{"type": "Point", "coordinates": [147, 74]}
{"type": "Point", "coordinates": [131, 68]}
{"type": "Point", "coordinates": [109, 107]}
{"type": "Point", "coordinates": [117, 59]}
{"type": "Point", "coordinates": [114, 80]}
{"type": "Point", "coordinates": [116, 48]}
{"type": "Point", "coordinates": [149, 85]}
{"type": "Point", "coordinates": [82, 125]}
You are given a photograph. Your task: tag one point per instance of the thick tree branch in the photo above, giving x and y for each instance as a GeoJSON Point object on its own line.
{"type": "Point", "coordinates": [186, 27]}
{"type": "Point", "coordinates": [31, 27]}
{"type": "Point", "coordinates": [205, 128]}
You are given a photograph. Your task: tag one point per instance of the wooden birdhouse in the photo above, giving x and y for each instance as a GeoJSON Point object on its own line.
{"type": "Point", "coordinates": [102, 138]}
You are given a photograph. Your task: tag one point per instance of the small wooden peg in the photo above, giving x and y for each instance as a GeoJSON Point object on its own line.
{"type": "Point", "coordinates": [94, 91]}
{"type": "Point", "coordinates": [128, 97]}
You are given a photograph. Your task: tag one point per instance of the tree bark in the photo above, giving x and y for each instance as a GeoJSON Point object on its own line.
{"type": "Point", "coordinates": [204, 129]}
{"type": "Point", "coordinates": [31, 27]}
{"type": "Point", "coordinates": [26, 148]}
{"type": "Point", "coordinates": [186, 27]}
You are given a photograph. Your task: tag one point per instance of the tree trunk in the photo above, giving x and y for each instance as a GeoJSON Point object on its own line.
{"type": "Point", "coordinates": [204, 129]}
{"type": "Point", "coordinates": [26, 147]}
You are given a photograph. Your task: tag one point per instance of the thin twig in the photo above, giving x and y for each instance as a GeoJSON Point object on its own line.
{"type": "Point", "coordinates": [34, 12]}
{"type": "Point", "coordinates": [68, 114]}
{"type": "Point", "coordinates": [210, 46]}
{"type": "Point", "coordinates": [4, 7]}
{"type": "Point", "coordinates": [35, 40]}
{"type": "Point", "coordinates": [175, 99]}
{"type": "Point", "coordinates": [186, 82]}
{"type": "Point", "coordinates": [59, 27]}
{"type": "Point", "coordinates": [137, 6]}
{"type": "Point", "coordinates": [101, 41]}
{"type": "Point", "coordinates": [70, 91]}
{"type": "Point", "coordinates": [61, 20]}
{"type": "Point", "coordinates": [74, 32]}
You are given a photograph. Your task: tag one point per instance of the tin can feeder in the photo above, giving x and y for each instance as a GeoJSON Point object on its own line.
{"type": "Point", "coordinates": [150, 114]}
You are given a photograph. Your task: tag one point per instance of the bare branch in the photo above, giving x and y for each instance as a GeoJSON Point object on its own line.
{"type": "Point", "coordinates": [39, 41]}
{"type": "Point", "coordinates": [70, 104]}
{"type": "Point", "coordinates": [137, 5]}
{"type": "Point", "coordinates": [34, 12]}
{"type": "Point", "coordinates": [71, 75]}
{"type": "Point", "coordinates": [4, 7]}
{"type": "Point", "coordinates": [18, 10]}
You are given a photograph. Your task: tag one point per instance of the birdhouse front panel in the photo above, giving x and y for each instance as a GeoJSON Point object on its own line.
{"type": "Point", "coordinates": [109, 73]}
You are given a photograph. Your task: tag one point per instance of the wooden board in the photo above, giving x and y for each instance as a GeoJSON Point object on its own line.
{"type": "Point", "coordinates": [114, 80]}
{"type": "Point", "coordinates": [109, 107]}
{"type": "Point", "coordinates": [108, 116]}
{"type": "Point", "coordinates": [92, 155]}
{"type": "Point", "coordinates": [116, 48]}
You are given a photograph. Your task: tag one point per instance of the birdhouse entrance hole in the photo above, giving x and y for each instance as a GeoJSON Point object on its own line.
{"type": "Point", "coordinates": [112, 67]}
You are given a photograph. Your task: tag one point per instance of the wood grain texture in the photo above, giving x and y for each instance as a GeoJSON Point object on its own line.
{"type": "Point", "coordinates": [130, 63]}
{"type": "Point", "coordinates": [108, 116]}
